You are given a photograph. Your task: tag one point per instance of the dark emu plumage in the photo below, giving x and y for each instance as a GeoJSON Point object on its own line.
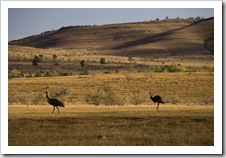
{"type": "Point", "coordinates": [54, 102]}
{"type": "Point", "coordinates": [157, 99]}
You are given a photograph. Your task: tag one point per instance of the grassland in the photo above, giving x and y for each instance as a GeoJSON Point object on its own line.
{"type": "Point", "coordinates": [185, 119]}
{"type": "Point", "coordinates": [109, 104]}
{"type": "Point", "coordinates": [175, 88]}
{"type": "Point", "coordinates": [88, 125]}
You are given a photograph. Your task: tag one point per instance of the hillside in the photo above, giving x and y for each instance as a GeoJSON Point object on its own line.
{"type": "Point", "coordinates": [172, 37]}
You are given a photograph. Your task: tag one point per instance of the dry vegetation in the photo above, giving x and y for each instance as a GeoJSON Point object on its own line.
{"type": "Point", "coordinates": [185, 87]}
{"type": "Point", "coordinates": [109, 103]}
{"type": "Point", "coordinates": [111, 125]}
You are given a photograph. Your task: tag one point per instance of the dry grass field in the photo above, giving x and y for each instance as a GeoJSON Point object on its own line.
{"type": "Point", "coordinates": [108, 103]}
{"type": "Point", "coordinates": [184, 120]}
{"type": "Point", "coordinates": [88, 125]}
{"type": "Point", "coordinates": [175, 88]}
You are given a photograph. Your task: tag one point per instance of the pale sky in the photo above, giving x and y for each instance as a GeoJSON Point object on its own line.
{"type": "Point", "coordinates": [25, 22]}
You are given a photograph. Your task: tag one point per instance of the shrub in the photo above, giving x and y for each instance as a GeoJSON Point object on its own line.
{"type": "Point", "coordinates": [137, 98]}
{"type": "Point", "coordinates": [130, 58]}
{"type": "Point", "coordinates": [97, 97]}
{"type": "Point", "coordinates": [82, 63]}
{"type": "Point", "coordinates": [38, 74]}
{"type": "Point", "coordinates": [84, 72]}
{"type": "Point", "coordinates": [54, 56]}
{"type": "Point", "coordinates": [59, 92]}
{"type": "Point", "coordinates": [112, 95]}
{"type": "Point", "coordinates": [168, 68]}
{"type": "Point", "coordinates": [55, 62]}
{"type": "Point", "coordinates": [15, 74]}
{"type": "Point", "coordinates": [37, 98]}
{"type": "Point", "coordinates": [108, 95]}
{"type": "Point", "coordinates": [173, 99]}
{"type": "Point", "coordinates": [36, 60]}
{"type": "Point", "coordinates": [155, 68]}
{"type": "Point", "coordinates": [174, 68]}
{"type": "Point", "coordinates": [102, 61]}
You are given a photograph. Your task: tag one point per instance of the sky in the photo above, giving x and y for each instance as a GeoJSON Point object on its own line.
{"type": "Point", "coordinates": [23, 22]}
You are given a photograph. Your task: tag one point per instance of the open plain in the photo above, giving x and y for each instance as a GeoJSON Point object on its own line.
{"type": "Point", "coordinates": [103, 75]}
{"type": "Point", "coordinates": [88, 125]}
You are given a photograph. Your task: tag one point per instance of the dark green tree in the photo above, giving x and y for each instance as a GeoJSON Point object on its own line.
{"type": "Point", "coordinates": [82, 63]}
{"type": "Point", "coordinates": [35, 61]}
{"type": "Point", "coordinates": [102, 60]}
{"type": "Point", "coordinates": [54, 56]}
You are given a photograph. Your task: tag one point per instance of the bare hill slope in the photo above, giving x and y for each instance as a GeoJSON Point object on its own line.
{"type": "Point", "coordinates": [172, 36]}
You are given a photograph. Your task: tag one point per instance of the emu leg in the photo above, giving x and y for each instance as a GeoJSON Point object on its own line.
{"type": "Point", "coordinates": [53, 109]}
{"type": "Point", "coordinates": [58, 109]}
{"type": "Point", "coordinates": [158, 106]}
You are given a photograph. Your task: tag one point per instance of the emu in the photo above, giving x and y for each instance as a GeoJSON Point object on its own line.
{"type": "Point", "coordinates": [157, 99]}
{"type": "Point", "coordinates": [54, 102]}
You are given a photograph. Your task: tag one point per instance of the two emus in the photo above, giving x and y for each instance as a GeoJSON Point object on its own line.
{"type": "Point", "coordinates": [55, 102]}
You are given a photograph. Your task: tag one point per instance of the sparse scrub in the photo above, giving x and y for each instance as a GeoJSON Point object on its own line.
{"type": "Point", "coordinates": [38, 74]}
{"type": "Point", "coordinates": [206, 98]}
{"type": "Point", "coordinates": [15, 74]}
{"type": "Point", "coordinates": [85, 72]}
{"type": "Point", "coordinates": [168, 68]}
{"type": "Point", "coordinates": [173, 68]}
{"type": "Point", "coordinates": [108, 95]}
{"type": "Point", "coordinates": [174, 99]}
{"type": "Point", "coordinates": [59, 92]}
{"type": "Point", "coordinates": [137, 98]}
{"type": "Point", "coordinates": [37, 98]}
{"type": "Point", "coordinates": [97, 97]}
{"type": "Point", "coordinates": [176, 88]}
{"type": "Point", "coordinates": [113, 96]}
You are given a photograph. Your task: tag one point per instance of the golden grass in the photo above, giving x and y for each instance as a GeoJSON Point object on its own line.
{"type": "Point", "coordinates": [178, 88]}
{"type": "Point", "coordinates": [87, 125]}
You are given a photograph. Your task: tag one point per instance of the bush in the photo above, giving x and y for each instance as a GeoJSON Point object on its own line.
{"type": "Point", "coordinates": [38, 98]}
{"type": "Point", "coordinates": [38, 74]}
{"type": "Point", "coordinates": [173, 99]}
{"type": "Point", "coordinates": [15, 74]}
{"type": "Point", "coordinates": [82, 63]}
{"type": "Point", "coordinates": [54, 56]}
{"type": "Point", "coordinates": [174, 68]}
{"type": "Point", "coordinates": [97, 97]}
{"type": "Point", "coordinates": [36, 60]}
{"type": "Point", "coordinates": [108, 95]}
{"type": "Point", "coordinates": [168, 68]}
{"type": "Point", "coordinates": [137, 98]}
{"type": "Point", "coordinates": [85, 72]}
{"type": "Point", "coordinates": [155, 68]}
{"type": "Point", "coordinates": [102, 60]}
{"type": "Point", "coordinates": [59, 92]}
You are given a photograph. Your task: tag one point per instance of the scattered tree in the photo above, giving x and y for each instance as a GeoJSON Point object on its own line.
{"type": "Point", "coordinates": [35, 61]}
{"type": "Point", "coordinates": [82, 63]}
{"type": "Point", "coordinates": [54, 56]}
{"type": "Point", "coordinates": [102, 60]}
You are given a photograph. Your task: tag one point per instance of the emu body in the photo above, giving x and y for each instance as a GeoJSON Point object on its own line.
{"type": "Point", "coordinates": [157, 99]}
{"type": "Point", "coordinates": [54, 102]}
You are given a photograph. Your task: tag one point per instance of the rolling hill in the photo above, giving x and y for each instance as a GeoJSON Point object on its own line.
{"type": "Point", "coordinates": [171, 37]}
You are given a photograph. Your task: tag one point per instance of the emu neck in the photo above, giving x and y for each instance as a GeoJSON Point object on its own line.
{"type": "Point", "coordinates": [47, 97]}
{"type": "Point", "coordinates": [151, 96]}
